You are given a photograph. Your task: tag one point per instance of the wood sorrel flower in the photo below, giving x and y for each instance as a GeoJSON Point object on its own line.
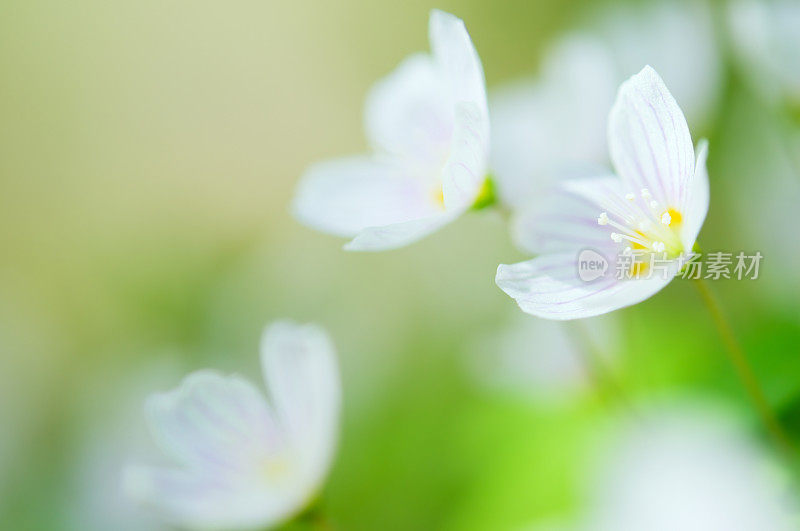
{"type": "Point", "coordinates": [428, 126]}
{"type": "Point", "coordinates": [689, 469]}
{"type": "Point", "coordinates": [654, 209]}
{"type": "Point", "coordinates": [554, 124]}
{"type": "Point", "coordinates": [243, 461]}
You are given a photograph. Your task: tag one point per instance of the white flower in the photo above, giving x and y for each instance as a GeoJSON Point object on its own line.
{"type": "Point", "coordinates": [688, 471]}
{"type": "Point", "coordinates": [555, 123]}
{"type": "Point", "coordinates": [766, 39]}
{"type": "Point", "coordinates": [652, 151]}
{"type": "Point", "coordinates": [243, 461]}
{"type": "Point", "coordinates": [678, 39]}
{"type": "Point", "coordinates": [766, 159]}
{"type": "Point", "coordinates": [428, 126]}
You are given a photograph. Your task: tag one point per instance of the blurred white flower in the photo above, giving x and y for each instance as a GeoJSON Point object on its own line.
{"type": "Point", "coordinates": [766, 39]}
{"type": "Point", "coordinates": [242, 461]}
{"type": "Point", "coordinates": [678, 39]}
{"type": "Point", "coordinates": [542, 360]}
{"type": "Point", "coordinates": [428, 126]}
{"type": "Point", "coordinates": [656, 208]}
{"type": "Point", "coordinates": [768, 186]}
{"type": "Point", "coordinates": [555, 123]}
{"type": "Point", "coordinates": [692, 471]}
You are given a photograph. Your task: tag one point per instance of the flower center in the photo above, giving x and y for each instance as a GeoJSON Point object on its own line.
{"type": "Point", "coordinates": [276, 468]}
{"type": "Point", "coordinates": [646, 226]}
{"type": "Point", "coordinates": [437, 196]}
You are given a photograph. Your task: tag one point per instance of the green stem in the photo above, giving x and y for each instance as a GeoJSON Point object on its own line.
{"type": "Point", "coordinates": [788, 136]}
{"type": "Point", "coordinates": [593, 361]}
{"type": "Point", "coordinates": [315, 518]}
{"type": "Point", "coordinates": [321, 523]}
{"type": "Point", "coordinates": [739, 361]}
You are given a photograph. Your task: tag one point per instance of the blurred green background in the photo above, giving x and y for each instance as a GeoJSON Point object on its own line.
{"type": "Point", "coordinates": [148, 155]}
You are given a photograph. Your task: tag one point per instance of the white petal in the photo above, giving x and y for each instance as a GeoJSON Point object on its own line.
{"type": "Point", "coordinates": [549, 287]}
{"type": "Point", "coordinates": [698, 193]}
{"type": "Point", "coordinates": [430, 118]}
{"type": "Point", "coordinates": [409, 113]}
{"type": "Point", "coordinates": [398, 235]}
{"type": "Point", "coordinates": [649, 140]}
{"type": "Point", "coordinates": [691, 469]}
{"type": "Point", "coordinates": [345, 196]}
{"type": "Point", "coordinates": [214, 422]}
{"type": "Point", "coordinates": [302, 376]}
{"type": "Point", "coordinates": [565, 219]}
{"type": "Point", "coordinates": [198, 500]}
{"type": "Point", "coordinates": [465, 170]}
{"type": "Point", "coordinates": [456, 56]}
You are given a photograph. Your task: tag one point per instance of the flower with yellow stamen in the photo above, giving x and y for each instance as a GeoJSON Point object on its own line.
{"type": "Point", "coordinates": [428, 126]}
{"type": "Point", "coordinates": [242, 461]}
{"type": "Point", "coordinates": [652, 210]}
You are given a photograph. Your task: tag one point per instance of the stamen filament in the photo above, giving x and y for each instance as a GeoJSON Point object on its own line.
{"type": "Point", "coordinates": [644, 223]}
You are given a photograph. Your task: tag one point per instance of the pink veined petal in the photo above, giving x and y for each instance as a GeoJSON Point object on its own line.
{"type": "Point", "coordinates": [465, 170]}
{"type": "Point", "coordinates": [214, 422]}
{"type": "Point", "coordinates": [409, 113]}
{"type": "Point", "coordinates": [345, 196]}
{"type": "Point", "coordinates": [698, 199]}
{"type": "Point", "coordinates": [245, 466]}
{"type": "Point", "coordinates": [650, 142]}
{"type": "Point", "coordinates": [549, 287]}
{"type": "Point", "coordinates": [564, 219]}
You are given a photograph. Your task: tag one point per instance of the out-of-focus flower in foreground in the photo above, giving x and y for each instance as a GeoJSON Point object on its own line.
{"type": "Point", "coordinates": [766, 39]}
{"type": "Point", "coordinates": [242, 461]}
{"type": "Point", "coordinates": [428, 126]}
{"type": "Point", "coordinates": [554, 124]}
{"type": "Point", "coordinates": [653, 211]}
{"type": "Point", "coordinates": [693, 471]}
